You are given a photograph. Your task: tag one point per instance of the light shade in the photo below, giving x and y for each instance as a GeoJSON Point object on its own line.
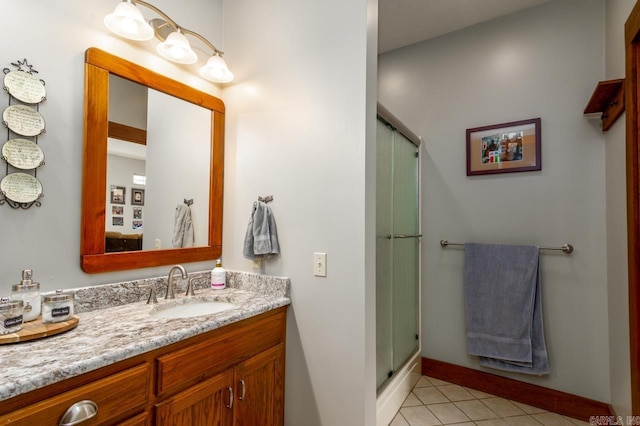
{"type": "Point", "coordinates": [216, 70]}
{"type": "Point", "coordinates": [176, 48]}
{"type": "Point", "coordinates": [127, 21]}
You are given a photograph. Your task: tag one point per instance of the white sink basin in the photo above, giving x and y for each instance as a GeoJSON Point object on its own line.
{"type": "Point", "coordinates": [190, 309]}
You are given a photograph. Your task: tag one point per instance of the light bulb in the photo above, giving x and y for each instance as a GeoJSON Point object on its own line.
{"type": "Point", "coordinates": [216, 70]}
{"type": "Point", "coordinates": [176, 48]}
{"type": "Point", "coordinates": [127, 21]}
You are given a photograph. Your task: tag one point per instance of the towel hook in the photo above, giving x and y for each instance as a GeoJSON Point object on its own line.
{"type": "Point", "coordinates": [265, 199]}
{"type": "Point", "coordinates": [188, 202]}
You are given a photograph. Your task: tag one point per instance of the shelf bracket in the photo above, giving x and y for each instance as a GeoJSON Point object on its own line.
{"type": "Point", "coordinates": [608, 99]}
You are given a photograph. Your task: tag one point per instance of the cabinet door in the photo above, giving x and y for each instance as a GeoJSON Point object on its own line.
{"type": "Point", "coordinates": [260, 389]}
{"type": "Point", "coordinates": [207, 403]}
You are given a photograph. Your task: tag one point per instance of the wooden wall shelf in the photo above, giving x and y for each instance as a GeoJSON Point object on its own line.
{"type": "Point", "coordinates": [607, 98]}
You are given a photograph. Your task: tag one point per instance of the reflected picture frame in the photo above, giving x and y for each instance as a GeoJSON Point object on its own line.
{"type": "Point", "coordinates": [504, 148]}
{"type": "Point", "coordinates": [137, 197]}
{"type": "Point", "coordinates": [117, 194]}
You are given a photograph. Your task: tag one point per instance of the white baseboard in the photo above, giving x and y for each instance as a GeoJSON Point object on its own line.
{"type": "Point", "coordinates": [391, 398]}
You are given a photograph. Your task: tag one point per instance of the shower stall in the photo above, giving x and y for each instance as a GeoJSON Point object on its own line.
{"type": "Point", "coordinates": [397, 262]}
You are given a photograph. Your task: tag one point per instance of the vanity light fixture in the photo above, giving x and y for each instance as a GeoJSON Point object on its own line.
{"type": "Point", "coordinates": [127, 21]}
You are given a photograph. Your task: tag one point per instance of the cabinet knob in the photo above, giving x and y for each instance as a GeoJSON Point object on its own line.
{"type": "Point", "coordinates": [79, 412]}
{"type": "Point", "coordinates": [241, 397]}
{"type": "Point", "coordinates": [230, 405]}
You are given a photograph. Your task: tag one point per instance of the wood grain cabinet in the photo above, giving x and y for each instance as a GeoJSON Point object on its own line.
{"type": "Point", "coordinates": [230, 376]}
{"type": "Point", "coordinates": [207, 403]}
{"type": "Point", "coordinates": [258, 382]}
{"type": "Point", "coordinates": [248, 394]}
{"type": "Point", "coordinates": [114, 396]}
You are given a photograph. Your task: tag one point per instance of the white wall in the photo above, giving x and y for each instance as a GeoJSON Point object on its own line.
{"type": "Point", "coordinates": [53, 36]}
{"type": "Point", "coordinates": [298, 116]}
{"type": "Point", "coordinates": [617, 12]}
{"type": "Point", "coordinates": [178, 163]}
{"type": "Point", "coordinates": [541, 62]}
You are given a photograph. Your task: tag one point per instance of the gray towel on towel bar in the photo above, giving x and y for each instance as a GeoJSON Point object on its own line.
{"type": "Point", "coordinates": [504, 307]}
{"type": "Point", "coordinates": [261, 237]}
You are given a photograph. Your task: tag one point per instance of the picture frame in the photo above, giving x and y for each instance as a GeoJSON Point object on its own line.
{"type": "Point", "coordinates": [137, 213]}
{"type": "Point", "coordinates": [137, 197]}
{"type": "Point", "coordinates": [504, 148]}
{"type": "Point", "coordinates": [136, 225]}
{"type": "Point", "coordinates": [118, 221]}
{"type": "Point", "coordinates": [117, 210]}
{"type": "Point", "coordinates": [117, 194]}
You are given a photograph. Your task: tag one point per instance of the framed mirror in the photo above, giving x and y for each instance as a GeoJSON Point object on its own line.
{"type": "Point", "coordinates": [182, 141]}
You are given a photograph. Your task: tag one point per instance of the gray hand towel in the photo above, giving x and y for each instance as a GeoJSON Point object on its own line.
{"type": "Point", "coordinates": [504, 308]}
{"type": "Point", "coordinates": [183, 229]}
{"type": "Point", "coordinates": [261, 237]}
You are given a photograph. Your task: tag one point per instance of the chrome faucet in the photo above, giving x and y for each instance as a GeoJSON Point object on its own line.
{"type": "Point", "coordinates": [170, 292]}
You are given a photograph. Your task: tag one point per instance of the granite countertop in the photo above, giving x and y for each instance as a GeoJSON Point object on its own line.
{"type": "Point", "coordinates": [110, 334]}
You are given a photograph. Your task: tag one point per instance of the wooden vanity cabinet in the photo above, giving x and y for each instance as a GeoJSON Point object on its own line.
{"type": "Point", "coordinates": [207, 403]}
{"type": "Point", "coordinates": [230, 376]}
{"type": "Point", "coordinates": [248, 394]}
{"type": "Point", "coordinates": [114, 395]}
{"type": "Point", "coordinates": [246, 366]}
{"type": "Point", "coordinates": [258, 382]}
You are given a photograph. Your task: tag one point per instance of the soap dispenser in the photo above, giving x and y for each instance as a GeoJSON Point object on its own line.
{"type": "Point", "coordinates": [218, 276]}
{"type": "Point", "coordinates": [29, 293]}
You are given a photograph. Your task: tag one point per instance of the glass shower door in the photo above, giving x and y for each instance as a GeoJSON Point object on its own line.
{"type": "Point", "coordinates": [397, 251]}
{"type": "Point", "coordinates": [384, 257]}
{"type": "Point", "coordinates": [405, 250]}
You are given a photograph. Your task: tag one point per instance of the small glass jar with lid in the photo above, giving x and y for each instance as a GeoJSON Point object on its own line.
{"type": "Point", "coordinates": [10, 315]}
{"type": "Point", "coordinates": [29, 292]}
{"type": "Point", "coordinates": [57, 307]}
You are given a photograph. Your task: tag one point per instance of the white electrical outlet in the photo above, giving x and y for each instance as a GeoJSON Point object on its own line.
{"type": "Point", "coordinates": [257, 263]}
{"type": "Point", "coordinates": [158, 243]}
{"type": "Point", "coordinates": [320, 264]}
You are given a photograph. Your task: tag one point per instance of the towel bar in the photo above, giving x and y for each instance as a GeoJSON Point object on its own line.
{"type": "Point", "coordinates": [567, 248]}
{"type": "Point", "coordinates": [389, 236]}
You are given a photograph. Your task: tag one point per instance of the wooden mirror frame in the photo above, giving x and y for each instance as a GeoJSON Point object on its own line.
{"type": "Point", "coordinates": [94, 259]}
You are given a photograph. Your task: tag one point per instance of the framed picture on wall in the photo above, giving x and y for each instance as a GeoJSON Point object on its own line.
{"type": "Point", "coordinates": [137, 213]}
{"type": "Point", "coordinates": [504, 148]}
{"type": "Point", "coordinates": [137, 197]}
{"type": "Point", "coordinates": [117, 210]}
{"type": "Point", "coordinates": [117, 194]}
{"type": "Point", "coordinates": [118, 221]}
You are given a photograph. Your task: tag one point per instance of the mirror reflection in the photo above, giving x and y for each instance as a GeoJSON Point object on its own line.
{"type": "Point", "coordinates": [183, 144]}
{"type": "Point", "coordinates": [158, 157]}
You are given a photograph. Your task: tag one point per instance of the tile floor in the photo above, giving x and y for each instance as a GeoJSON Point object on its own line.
{"type": "Point", "coordinates": [434, 402]}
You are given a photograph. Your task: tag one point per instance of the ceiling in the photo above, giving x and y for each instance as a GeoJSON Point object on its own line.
{"type": "Point", "coordinates": [404, 22]}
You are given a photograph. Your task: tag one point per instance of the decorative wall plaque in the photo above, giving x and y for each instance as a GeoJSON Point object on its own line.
{"type": "Point", "coordinates": [25, 87]}
{"type": "Point", "coordinates": [22, 154]}
{"type": "Point", "coordinates": [23, 120]}
{"type": "Point", "coordinates": [21, 187]}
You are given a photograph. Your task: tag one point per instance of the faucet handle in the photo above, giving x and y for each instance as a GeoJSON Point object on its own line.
{"type": "Point", "coordinates": [190, 289]}
{"type": "Point", "coordinates": [153, 299]}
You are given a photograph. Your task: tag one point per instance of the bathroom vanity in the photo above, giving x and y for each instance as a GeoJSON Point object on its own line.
{"type": "Point", "coordinates": [225, 368]}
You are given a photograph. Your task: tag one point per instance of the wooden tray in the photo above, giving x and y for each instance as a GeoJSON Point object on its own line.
{"type": "Point", "coordinates": [36, 330]}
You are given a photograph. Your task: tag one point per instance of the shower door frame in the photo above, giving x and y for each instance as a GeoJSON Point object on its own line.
{"type": "Point", "coordinates": [392, 392]}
